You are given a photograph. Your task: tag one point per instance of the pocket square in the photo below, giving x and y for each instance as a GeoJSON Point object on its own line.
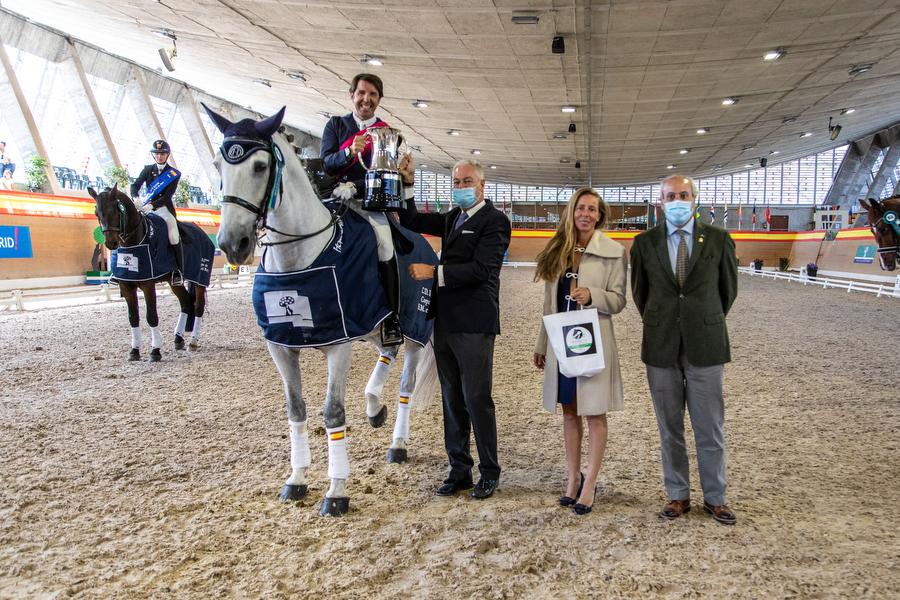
{"type": "Point", "coordinates": [466, 231]}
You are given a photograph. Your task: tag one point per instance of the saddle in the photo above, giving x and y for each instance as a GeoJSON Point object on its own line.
{"type": "Point", "coordinates": [322, 182]}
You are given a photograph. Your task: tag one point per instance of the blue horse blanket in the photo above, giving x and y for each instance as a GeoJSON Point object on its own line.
{"type": "Point", "coordinates": [339, 297]}
{"type": "Point", "coordinates": [153, 257]}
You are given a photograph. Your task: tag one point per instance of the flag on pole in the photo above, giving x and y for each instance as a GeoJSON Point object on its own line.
{"type": "Point", "coordinates": [753, 218]}
{"type": "Point", "coordinates": [739, 216]}
{"type": "Point", "coordinates": [768, 218]}
{"type": "Point", "coordinates": [712, 214]}
{"type": "Point", "coordinates": [850, 222]}
{"type": "Point", "coordinates": [725, 217]}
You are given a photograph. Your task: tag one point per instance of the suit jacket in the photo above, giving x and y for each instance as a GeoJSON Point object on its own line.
{"type": "Point", "coordinates": [337, 163]}
{"type": "Point", "coordinates": [164, 198]}
{"type": "Point", "coordinates": [471, 255]}
{"type": "Point", "coordinates": [691, 317]}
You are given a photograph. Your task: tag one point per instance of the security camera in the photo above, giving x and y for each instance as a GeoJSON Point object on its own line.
{"type": "Point", "coordinates": [166, 56]}
{"type": "Point", "coordinates": [559, 45]}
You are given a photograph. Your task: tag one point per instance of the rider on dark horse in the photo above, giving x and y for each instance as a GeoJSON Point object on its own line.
{"type": "Point", "coordinates": [161, 180]}
{"type": "Point", "coordinates": [343, 139]}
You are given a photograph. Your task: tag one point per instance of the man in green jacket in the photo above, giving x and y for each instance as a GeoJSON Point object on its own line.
{"type": "Point", "coordinates": [684, 281]}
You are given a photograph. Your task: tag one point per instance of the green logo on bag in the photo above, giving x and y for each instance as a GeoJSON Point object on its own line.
{"type": "Point", "coordinates": [579, 339]}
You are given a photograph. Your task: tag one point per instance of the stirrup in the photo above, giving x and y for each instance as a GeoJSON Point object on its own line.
{"type": "Point", "coordinates": [391, 334]}
{"type": "Point", "coordinates": [177, 278]}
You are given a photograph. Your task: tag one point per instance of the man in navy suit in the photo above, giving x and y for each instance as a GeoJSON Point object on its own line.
{"type": "Point", "coordinates": [465, 303]}
{"type": "Point", "coordinates": [344, 139]}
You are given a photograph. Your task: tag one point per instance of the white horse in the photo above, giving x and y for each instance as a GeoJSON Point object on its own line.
{"type": "Point", "coordinates": [265, 188]}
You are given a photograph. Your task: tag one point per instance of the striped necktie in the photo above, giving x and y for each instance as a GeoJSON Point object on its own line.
{"type": "Point", "coordinates": [460, 219]}
{"type": "Point", "coordinates": [681, 259]}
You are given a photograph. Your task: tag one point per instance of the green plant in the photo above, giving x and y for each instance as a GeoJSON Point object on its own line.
{"type": "Point", "coordinates": [36, 173]}
{"type": "Point", "coordinates": [118, 175]}
{"type": "Point", "coordinates": [183, 194]}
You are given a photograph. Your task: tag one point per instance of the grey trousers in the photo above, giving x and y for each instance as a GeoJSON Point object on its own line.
{"type": "Point", "coordinates": [700, 389]}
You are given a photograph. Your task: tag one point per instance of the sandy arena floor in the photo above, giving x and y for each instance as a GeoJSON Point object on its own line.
{"type": "Point", "coordinates": [140, 480]}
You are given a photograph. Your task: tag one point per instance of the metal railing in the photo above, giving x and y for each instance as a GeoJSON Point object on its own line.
{"type": "Point", "coordinates": [851, 285]}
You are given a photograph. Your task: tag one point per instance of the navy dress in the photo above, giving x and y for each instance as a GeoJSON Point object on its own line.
{"type": "Point", "coordinates": [567, 387]}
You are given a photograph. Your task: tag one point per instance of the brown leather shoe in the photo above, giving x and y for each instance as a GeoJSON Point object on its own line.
{"type": "Point", "coordinates": [720, 513]}
{"type": "Point", "coordinates": [675, 509]}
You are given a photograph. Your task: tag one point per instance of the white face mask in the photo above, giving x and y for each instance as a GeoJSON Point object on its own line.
{"type": "Point", "coordinates": [678, 212]}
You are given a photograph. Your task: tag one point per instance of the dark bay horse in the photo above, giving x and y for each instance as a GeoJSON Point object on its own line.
{"type": "Point", "coordinates": [884, 219]}
{"type": "Point", "coordinates": [124, 226]}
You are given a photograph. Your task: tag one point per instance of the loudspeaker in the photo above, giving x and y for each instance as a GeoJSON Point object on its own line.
{"type": "Point", "coordinates": [571, 127]}
{"type": "Point", "coordinates": [835, 132]}
{"type": "Point", "coordinates": [763, 161]}
{"type": "Point", "coordinates": [577, 164]}
{"type": "Point", "coordinates": [559, 45]}
{"type": "Point", "coordinates": [166, 59]}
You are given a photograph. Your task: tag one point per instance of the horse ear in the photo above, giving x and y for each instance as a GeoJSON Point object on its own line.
{"type": "Point", "coordinates": [218, 120]}
{"type": "Point", "coordinates": [115, 191]}
{"type": "Point", "coordinates": [267, 127]}
{"type": "Point", "coordinates": [91, 191]}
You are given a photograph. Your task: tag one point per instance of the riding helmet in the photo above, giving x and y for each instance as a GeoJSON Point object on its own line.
{"type": "Point", "coordinates": [161, 146]}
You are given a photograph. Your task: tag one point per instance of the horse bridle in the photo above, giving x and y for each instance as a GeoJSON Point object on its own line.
{"type": "Point", "coordinates": [120, 231]}
{"type": "Point", "coordinates": [891, 220]}
{"type": "Point", "coordinates": [234, 151]}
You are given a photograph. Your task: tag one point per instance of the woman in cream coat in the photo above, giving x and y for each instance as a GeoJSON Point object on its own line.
{"type": "Point", "coordinates": [592, 266]}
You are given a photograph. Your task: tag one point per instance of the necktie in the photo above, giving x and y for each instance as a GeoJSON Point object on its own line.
{"type": "Point", "coordinates": [681, 259]}
{"type": "Point", "coordinates": [460, 219]}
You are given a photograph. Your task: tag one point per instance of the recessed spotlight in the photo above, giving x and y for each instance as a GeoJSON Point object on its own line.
{"type": "Point", "coordinates": [805, 134]}
{"type": "Point", "coordinates": [859, 69]}
{"type": "Point", "coordinates": [848, 111]}
{"type": "Point", "coordinates": [568, 109]}
{"type": "Point", "coordinates": [371, 60]}
{"type": "Point", "coordinates": [565, 161]}
{"type": "Point", "coordinates": [788, 119]}
{"type": "Point", "coordinates": [774, 54]}
{"type": "Point", "coordinates": [493, 166]}
{"type": "Point", "coordinates": [295, 75]}
{"type": "Point", "coordinates": [559, 136]}
{"type": "Point", "coordinates": [324, 114]}
{"type": "Point", "coordinates": [476, 151]}
{"type": "Point", "coordinates": [703, 130]}
{"type": "Point", "coordinates": [453, 132]}
{"type": "Point", "coordinates": [420, 104]}
{"type": "Point", "coordinates": [683, 151]}
{"type": "Point", "coordinates": [730, 100]}
{"type": "Point", "coordinates": [671, 166]}
{"type": "Point", "coordinates": [264, 82]}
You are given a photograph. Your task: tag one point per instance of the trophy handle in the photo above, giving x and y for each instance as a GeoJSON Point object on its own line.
{"type": "Point", "coordinates": [360, 158]}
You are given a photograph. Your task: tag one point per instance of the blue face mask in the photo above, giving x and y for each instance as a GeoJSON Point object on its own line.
{"type": "Point", "coordinates": [678, 212]}
{"type": "Point", "coordinates": [464, 197]}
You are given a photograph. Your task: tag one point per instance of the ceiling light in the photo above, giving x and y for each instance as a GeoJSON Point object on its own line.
{"type": "Point", "coordinates": [683, 151]}
{"type": "Point", "coordinates": [859, 69]}
{"type": "Point", "coordinates": [748, 147]}
{"type": "Point", "coordinates": [805, 134]}
{"type": "Point", "coordinates": [423, 166]}
{"type": "Point", "coordinates": [264, 82]}
{"type": "Point", "coordinates": [166, 56]}
{"type": "Point", "coordinates": [748, 166]}
{"type": "Point", "coordinates": [730, 100]}
{"type": "Point", "coordinates": [476, 151]}
{"type": "Point", "coordinates": [525, 17]}
{"type": "Point", "coordinates": [568, 109]}
{"type": "Point", "coordinates": [453, 132]}
{"type": "Point", "coordinates": [703, 130]}
{"type": "Point", "coordinates": [324, 114]}
{"type": "Point", "coordinates": [493, 166]}
{"type": "Point", "coordinates": [565, 161]}
{"type": "Point", "coordinates": [833, 130]}
{"type": "Point", "coordinates": [371, 60]}
{"type": "Point", "coordinates": [559, 136]}
{"type": "Point", "coordinates": [164, 33]}
{"type": "Point", "coordinates": [848, 111]}
{"type": "Point", "coordinates": [773, 152]}
{"type": "Point", "coordinates": [671, 166]}
{"type": "Point", "coordinates": [774, 54]}
{"type": "Point", "coordinates": [295, 75]}
{"type": "Point", "coordinates": [420, 104]}
{"type": "Point", "coordinates": [789, 119]}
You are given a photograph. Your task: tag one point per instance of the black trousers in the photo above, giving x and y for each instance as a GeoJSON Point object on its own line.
{"type": "Point", "coordinates": [465, 364]}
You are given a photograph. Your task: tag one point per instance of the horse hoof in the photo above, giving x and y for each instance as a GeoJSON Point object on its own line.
{"type": "Point", "coordinates": [155, 355]}
{"type": "Point", "coordinates": [194, 344]}
{"type": "Point", "coordinates": [397, 455]}
{"type": "Point", "coordinates": [379, 419]}
{"type": "Point", "coordinates": [291, 493]}
{"type": "Point", "coordinates": [334, 507]}
{"type": "Point", "coordinates": [179, 342]}
{"type": "Point", "coordinates": [135, 354]}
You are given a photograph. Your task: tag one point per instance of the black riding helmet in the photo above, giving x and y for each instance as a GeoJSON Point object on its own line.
{"type": "Point", "coordinates": [160, 146]}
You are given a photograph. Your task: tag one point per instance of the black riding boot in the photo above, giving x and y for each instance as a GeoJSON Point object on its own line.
{"type": "Point", "coordinates": [178, 275]}
{"type": "Point", "coordinates": [391, 334]}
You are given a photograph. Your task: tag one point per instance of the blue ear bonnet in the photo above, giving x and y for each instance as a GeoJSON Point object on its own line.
{"type": "Point", "coordinates": [241, 140]}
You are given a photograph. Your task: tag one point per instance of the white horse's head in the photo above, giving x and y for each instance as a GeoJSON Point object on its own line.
{"type": "Point", "coordinates": [247, 163]}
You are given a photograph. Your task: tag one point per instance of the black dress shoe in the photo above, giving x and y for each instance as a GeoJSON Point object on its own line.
{"type": "Point", "coordinates": [566, 501]}
{"type": "Point", "coordinates": [485, 488]}
{"type": "Point", "coordinates": [581, 509]}
{"type": "Point", "coordinates": [450, 487]}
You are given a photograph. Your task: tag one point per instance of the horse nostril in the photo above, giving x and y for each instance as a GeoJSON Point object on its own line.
{"type": "Point", "coordinates": [245, 243]}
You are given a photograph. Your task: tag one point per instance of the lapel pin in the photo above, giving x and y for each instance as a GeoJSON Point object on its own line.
{"type": "Point", "coordinates": [700, 239]}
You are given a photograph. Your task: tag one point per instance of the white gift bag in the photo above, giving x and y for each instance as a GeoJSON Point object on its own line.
{"type": "Point", "coordinates": [575, 339]}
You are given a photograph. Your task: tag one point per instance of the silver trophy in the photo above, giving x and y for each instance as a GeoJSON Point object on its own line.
{"type": "Point", "coordinates": [384, 187]}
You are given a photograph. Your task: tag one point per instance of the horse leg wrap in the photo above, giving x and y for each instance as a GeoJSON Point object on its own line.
{"type": "Point", "coordinates": [401, 425]}
{"type": "Point", "coordinates": [155, 338]}
{"type": "Point", "coordinates": [338, 462]}
{"type": "Point", "coordinates": [179, 326]}
{"type": "Point", "coordinates": [375, 386]}
{"type": "Point", "coordinates": [195, 335]}
{"type": "Point", "coordinates": [135, 337]}
{"type": "Point", "coordinates": [300, 456]}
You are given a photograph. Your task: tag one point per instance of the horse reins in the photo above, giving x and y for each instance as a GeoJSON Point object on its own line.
{"type": "Point", "coordinates": [234, 151]}
{"type": "Point", "coordinates": [123, 220]}
{"type": "Point", "coordinates": [893, 224]}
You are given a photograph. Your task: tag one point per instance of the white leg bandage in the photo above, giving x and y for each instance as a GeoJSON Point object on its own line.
{"type": "Point", "coordinates": [179, 326]}
{"type": "Point", "coordinates": [300, 457]}
{"type": "Point", "coordinates": [196, 332]}
{"type": "Point", "coordinates": [338, 462]}
{"type": "Point", "coordinates": [401, 425]}
{"type": "Point", "coordinates": [136, 337]}
{"type": "Point", "coordinates": [155, 338]}
{"type": "Point", "coordinates": [375, 386]}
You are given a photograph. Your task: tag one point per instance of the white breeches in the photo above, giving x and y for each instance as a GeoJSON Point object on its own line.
{"type": "Point", "coordinates": [379, 223]}
{"type": "Point", "coordinates": [172, 224]}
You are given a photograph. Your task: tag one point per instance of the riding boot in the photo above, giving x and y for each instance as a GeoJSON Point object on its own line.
{"type": "Point", "coordinates": [178, 275]}
{"type": "Point", "coordinates": [391, 334]}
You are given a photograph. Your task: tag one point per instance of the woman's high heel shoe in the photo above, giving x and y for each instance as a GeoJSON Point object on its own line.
{"type": "Point", "coordinates": [567, 501]}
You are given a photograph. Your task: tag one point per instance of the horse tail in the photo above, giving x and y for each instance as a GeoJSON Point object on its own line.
{"type": "Point", "coordinates": [427, 382]}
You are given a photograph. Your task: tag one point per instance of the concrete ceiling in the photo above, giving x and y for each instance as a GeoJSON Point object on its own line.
{"type": "Point", "coordinates": [643, 74]}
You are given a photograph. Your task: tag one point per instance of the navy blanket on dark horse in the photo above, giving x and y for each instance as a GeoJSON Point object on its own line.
{"type": "Point", "coordinates": [339, 297]}
{"type": "Point", "coordinates": [153, 257]}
